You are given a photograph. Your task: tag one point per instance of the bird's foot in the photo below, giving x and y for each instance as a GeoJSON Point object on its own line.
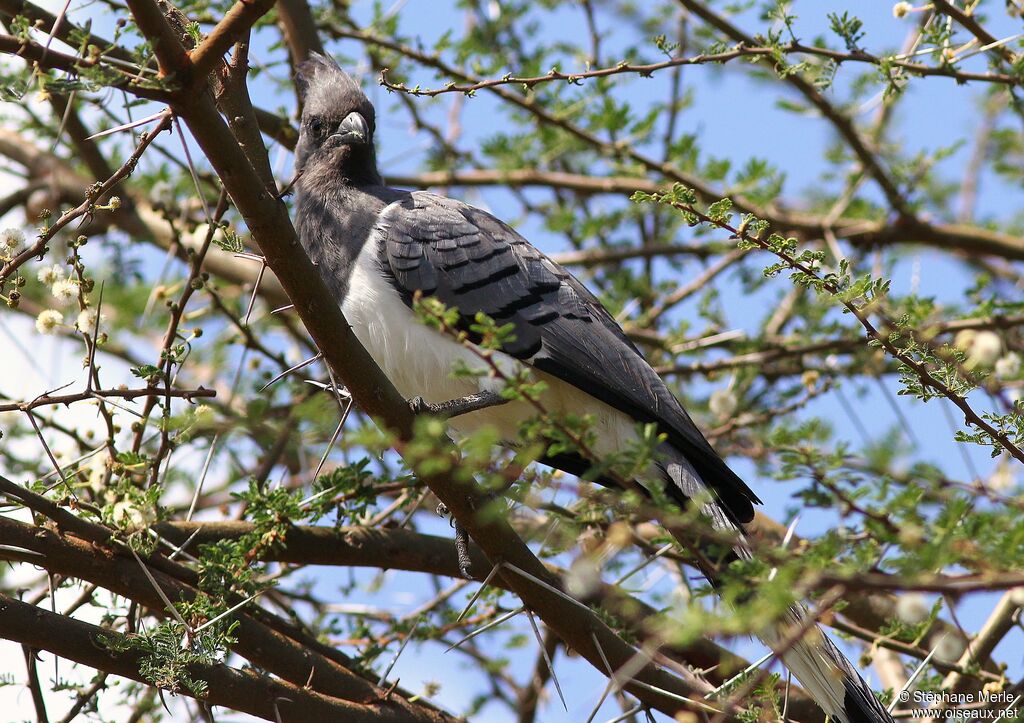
{"type": "Point", "coordinates": [461, 541]}
{"type": "Point", "coordinates": [457, 407]}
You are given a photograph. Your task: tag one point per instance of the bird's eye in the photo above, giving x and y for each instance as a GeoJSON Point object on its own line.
{"type": "Point", "coordinates": [315, 125]}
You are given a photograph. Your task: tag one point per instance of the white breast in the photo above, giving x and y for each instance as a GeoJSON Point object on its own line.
{"type": "Point", "coordinates": [420, 361]}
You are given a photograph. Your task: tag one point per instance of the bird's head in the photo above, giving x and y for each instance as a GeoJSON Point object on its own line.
{"type": "Point", "coordinates": [337, 124]}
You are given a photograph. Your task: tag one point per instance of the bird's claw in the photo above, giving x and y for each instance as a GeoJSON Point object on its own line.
{"type": "Point", "coordinates": [419, 405]}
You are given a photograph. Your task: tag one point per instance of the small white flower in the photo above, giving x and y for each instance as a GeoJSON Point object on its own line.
{"type": "Point", "coordinates": [964, 339]}
{"type": "Point", "coordinates": [589, 541]}
{"type": "Point", "coordinates": [50, 275]}
{"type": "Point", "coordinates": [134, 516]}
{"type": "Point", "coordinates": [723, 403]}
{"type": "Point", "coordinates": [144, 516]}
{"type": "Point", "coordinates": [11, 239]}
{"type": "Point", "coordinates": [64, 291]}
{"type": "Point", "coordinates": [1008, 366]}
{"type": "Point", "coordinates": [912, 608]}
{"type": "Point", "coordinates": [1002, 478]}
{"type": "Point", "coordinates": [121, 509]}
{"type": "Point", "coordinates": [583, 578]}
{"type": "Point", "coordinates": [900, 10]}
{"type": "Point", "coordinates": [162, 193]}
{"type": "Point", "coordinates": [98, 472]}
{"type": "Point", "coordinates": [48, 321]}
{"type": "Point", "coordinates": [87, 320]}
{"type": "Point", "coordinates": [985, 349]}
{"type": "Point", "coordinates": [949, 649]}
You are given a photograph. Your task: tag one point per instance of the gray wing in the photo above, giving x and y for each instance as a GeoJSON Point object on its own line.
{"type": "Point", "coordinates": [473, 262]}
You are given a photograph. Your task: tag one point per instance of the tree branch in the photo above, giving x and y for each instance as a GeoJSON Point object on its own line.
{"type": "Point", "coordinates": [167, 44]}
{"type": "Point", "coordinates": [51, 399]}
{"type": "Point", "coordinates": [973, 27]}
{"type": "Point", "coordinates": [236, 23]}
{"type": "Point", "coordinates": [264, 640]}
{"type": "Point", "coordinates": [867, 156]}
{"type": "Point", "coordinates": [299, 29]}
{"type": "Point", "coordinates": [53, 59]}
{"type": "Point", "coordinates": [742, 50]}
{"type": "Point", "coordinates": [242, 690]}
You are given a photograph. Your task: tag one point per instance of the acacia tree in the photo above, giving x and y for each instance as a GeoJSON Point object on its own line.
{"type": "Point", "coordinates": [235, 433]}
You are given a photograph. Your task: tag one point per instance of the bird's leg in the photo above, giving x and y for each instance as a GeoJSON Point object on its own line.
{"type": "Point", "coordinates": [456, 407]}
{"type": "Point", "coordinates": [461, 541]}
{"type": "Point", "coordinates": [453, 408]}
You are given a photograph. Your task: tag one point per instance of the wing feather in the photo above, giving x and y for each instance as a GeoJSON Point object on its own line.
{"type": "Point", "coordinates": [473, 262]}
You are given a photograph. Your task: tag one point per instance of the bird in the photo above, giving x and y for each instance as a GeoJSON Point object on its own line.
{"type": "Point", "coordinates": [379, 249]}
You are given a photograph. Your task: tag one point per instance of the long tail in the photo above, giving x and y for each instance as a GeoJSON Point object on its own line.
{"type": "Point", "coordinates": [817, 663]}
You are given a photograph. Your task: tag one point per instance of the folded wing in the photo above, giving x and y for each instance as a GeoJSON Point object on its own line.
{"type": "Point", "coordinates": [473, 262]}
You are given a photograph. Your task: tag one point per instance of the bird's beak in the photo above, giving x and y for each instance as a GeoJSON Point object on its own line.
{"type": "Point", "coordinates": [353, 130]}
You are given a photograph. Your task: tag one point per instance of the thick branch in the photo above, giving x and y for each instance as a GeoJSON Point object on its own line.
{"type": "Point", "coordinates": [246, 691]}
{"type": "Point", "coordinates": [238, 20]}
{"type": "Point", "coordinates": [259, 635]}
{"type": "Point", "coordinates": [299, 29]}
{"type": "Point", "coordinates": [401, 549]}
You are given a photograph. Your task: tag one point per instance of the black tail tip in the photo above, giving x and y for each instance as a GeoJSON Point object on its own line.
{"type": "Point", "coordinates": [862, 706]}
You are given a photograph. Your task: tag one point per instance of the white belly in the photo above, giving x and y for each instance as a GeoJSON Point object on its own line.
{"type": "Point", "coordinates": [420, 361]}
